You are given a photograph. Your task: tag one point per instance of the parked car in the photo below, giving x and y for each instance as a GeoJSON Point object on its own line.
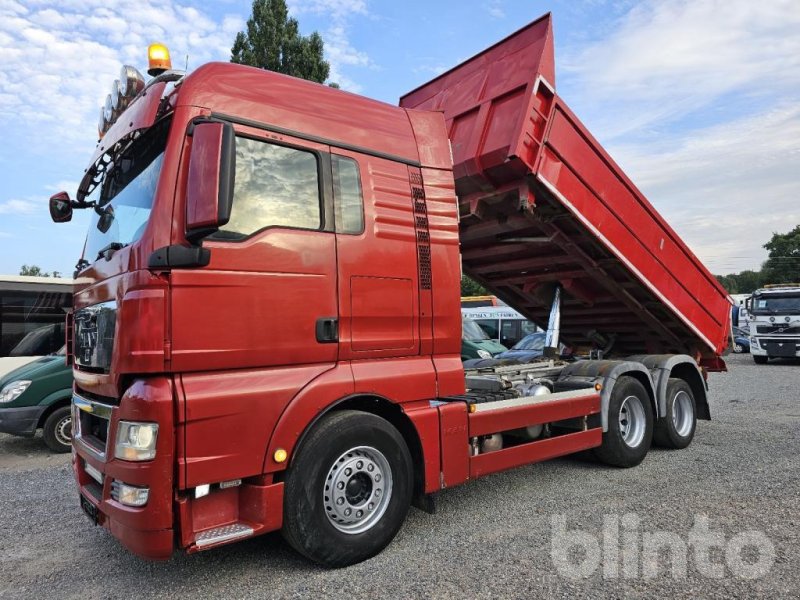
{"type": "Point", "coordinates": [741, 341]}
{"type": "Point", "coordinates": [528, 348]}
{"type": "Point", "coordinates": [475, 343]}
{"type": "Point", "coordinates": [37, 396]}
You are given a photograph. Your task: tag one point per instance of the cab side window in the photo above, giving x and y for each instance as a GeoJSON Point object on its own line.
{"type": "Point", "coordinates": [347, 196]}
{"type": "Point", "coordinates": [274, 186]}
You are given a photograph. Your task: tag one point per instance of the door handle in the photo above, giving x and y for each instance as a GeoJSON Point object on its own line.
{"type": "Point", "coordinates": [327, 330]}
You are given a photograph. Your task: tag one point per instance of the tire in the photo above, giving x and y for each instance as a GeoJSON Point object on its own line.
{"type": "Point", "coordinates": [676, 428]}
{"type": "Point", "coordinates": [315, 523]}
{"type": "Point", "coordinates": [760, 360]}
{"type": "Point", "coordinates": [738, 349]}
{"type": "Point", "coordinates": [627, 445]}
{"type": "Point", "coordinates": [57, 430]}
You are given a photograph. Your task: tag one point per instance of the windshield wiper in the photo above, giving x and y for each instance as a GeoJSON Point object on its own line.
{"type": "Point", "coordinates": [108, 251]}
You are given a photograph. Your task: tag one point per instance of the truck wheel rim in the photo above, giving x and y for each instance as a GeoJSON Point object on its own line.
{"type": "Point", "coordinates": [632, 421]}
{"type": "Point", "coordinates": [682, 413]}
{"type": "Point", "coordinates": [358, 489]}
{"type": "Point", "coordinates": [63, 431]}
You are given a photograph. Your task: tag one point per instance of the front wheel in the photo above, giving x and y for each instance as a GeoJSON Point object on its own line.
{"type": "Point", "coordinates": [760, 360]}
{"type": "Point", "coordinates": [630, 425]}
{"type": "Point", "coordinates": [348, 489]}
{"type": "Point", "coordinates": [676, 428]}
{"type": "Point", "coordinates": [57, 430]}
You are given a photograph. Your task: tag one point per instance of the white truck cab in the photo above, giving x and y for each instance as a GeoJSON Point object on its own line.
{"type": "Point", "coordinates": [773, 315]}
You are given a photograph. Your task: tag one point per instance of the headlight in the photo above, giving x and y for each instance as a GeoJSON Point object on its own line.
{"type": "Point", "coordinates": [484, 354]}
{"type": "Point", "coordinates": [13, 390]}
{"type": "Point", "coordinates": [136, 441]}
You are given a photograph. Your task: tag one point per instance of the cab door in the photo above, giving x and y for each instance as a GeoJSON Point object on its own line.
{"type": "Point", "coordinates": [272, 277]}
{"type": "Point", "coordinates": [246, 335]}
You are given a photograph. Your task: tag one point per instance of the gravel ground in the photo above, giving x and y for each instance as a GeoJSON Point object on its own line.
{"type": "Point", "coordinates": [490, 538]}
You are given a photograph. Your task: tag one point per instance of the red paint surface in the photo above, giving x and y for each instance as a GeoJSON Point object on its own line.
{"type": "Point", "coordinates": [506, 125]}
{"type": "Point", "coordinates": [224, 357]}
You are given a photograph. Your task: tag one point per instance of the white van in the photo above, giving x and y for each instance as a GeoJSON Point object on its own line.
{"type": "Point", "coordinates": [501, 323]}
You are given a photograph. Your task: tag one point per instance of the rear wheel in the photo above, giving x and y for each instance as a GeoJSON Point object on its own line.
{"type": "Point", "coordinates": [760, 360]}
{"type": "Point", "coordinates": [57, 430]}
{"type": "Point", "coordinates": [676, 428]}
{"type": "Point", "coordinates": [738, 349]}
{"type": "Point", "coordinates": [348, 489]}
{"type": "Point", "coordinates": [630, 425]}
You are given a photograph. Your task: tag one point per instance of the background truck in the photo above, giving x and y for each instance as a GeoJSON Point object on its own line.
{"type": "Point", "coordinates": [204, 416]}
{"type": "Point", "coordinates": [773, 316]}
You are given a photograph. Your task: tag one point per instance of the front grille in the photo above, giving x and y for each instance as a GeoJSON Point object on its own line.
{"type": "Point", "coordinates": [781, 329]}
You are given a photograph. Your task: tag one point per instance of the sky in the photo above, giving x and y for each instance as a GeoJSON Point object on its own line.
{"type": "Point", "coordinates": [697, 100]}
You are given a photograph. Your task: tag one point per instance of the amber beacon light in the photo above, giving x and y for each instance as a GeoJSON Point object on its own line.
{"type": "Point", "coordinates": [158, 59]}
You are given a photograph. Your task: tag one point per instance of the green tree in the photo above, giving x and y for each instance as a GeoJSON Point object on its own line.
{"type": "Point", "coordinates": [272, 41]}
{"type": "Point", "coordinates": [32, 271]}
{"type": "Point", "coordinates": [783, 264]}
{"type": "Point", "coordinates": [471, 288]}
{"type": "Point", "coordinates": [36, 271]}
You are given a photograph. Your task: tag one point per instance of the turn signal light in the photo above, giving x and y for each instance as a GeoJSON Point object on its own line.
{"type": "Point", "coordinates": [158, 59]}
{"type": "Point", "coordinates": [280, 455]}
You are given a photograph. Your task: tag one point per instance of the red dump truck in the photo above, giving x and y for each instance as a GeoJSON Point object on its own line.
{"type": "Point", "coordinates": [267, 328]}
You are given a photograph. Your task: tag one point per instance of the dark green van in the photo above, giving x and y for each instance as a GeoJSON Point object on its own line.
{"type": "Point", "coordinates": [475, 343]}
{"type": "Point", "coordinates": [37, 396]}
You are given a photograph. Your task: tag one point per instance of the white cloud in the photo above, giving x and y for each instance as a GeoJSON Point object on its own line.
{"type": "Point", "coordinates": [16, 206]}
{"type": "Point", "coordinates": [667, 58]}
{"type": "Point", "coordinates": [725, 188]}
{"type": "Point", "coordinates": [699, 101]}
{"type": "Point", "coordinates": [58, 59]}
{"type": "Point", "coordinates": [339, 51]}
{"type": "Point", "coordinates": [495, 9]}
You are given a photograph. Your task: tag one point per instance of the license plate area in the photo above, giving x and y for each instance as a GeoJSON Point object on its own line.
{"type": "Point", "coordinates": [781, 349]}
{"type": "Point", "coordinates": [89, 509]}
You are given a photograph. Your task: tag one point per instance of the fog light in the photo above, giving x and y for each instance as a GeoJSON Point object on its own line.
{"type": "Point", "coordinates": [136, 441]}
{"type": "Point", "coordinates": [129, 495]}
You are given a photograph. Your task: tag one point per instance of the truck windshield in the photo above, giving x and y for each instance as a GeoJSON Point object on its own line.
{"type": "Point", "coordinates": [776, 305]}
{"type": "Point", "coordinates": [127, 193]}
{"type": "Point", "coordinates": [471, 332]}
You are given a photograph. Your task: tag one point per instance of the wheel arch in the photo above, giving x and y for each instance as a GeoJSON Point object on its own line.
{"type": "Point", "coordinates": [53, 406]}
{"type": "Point", "coordinates": [584, 374]}
{"type": "Point", "coordinates": [680, 366]}
{"type": "Point", "coordinates": [387, 410]}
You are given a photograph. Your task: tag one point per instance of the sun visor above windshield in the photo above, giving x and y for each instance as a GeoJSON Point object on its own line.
{"type": "Point", "coordinates": [139, 116]}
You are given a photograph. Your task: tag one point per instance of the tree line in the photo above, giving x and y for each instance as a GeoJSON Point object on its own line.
{"type": "Point", "coordinates": [782, 265]}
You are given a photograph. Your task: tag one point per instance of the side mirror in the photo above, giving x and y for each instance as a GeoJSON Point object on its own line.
{"type": "Point", "coordinates": [209, 190]}
{"type": "Point", "coordinates": [106, 218]}
{"type": "Point", "coordinates": [735, 315]}
{"type": "Point", "coordinates": [60, 207]}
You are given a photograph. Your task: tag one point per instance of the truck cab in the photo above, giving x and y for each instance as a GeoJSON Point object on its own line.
{"type": "Point", "coordinates": [773, 316]}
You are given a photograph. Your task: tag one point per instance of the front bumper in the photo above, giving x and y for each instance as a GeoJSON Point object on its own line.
{"type": "Point", "coordinates": [21, 421]}
{"type": "Point", "coordinates": [775, 347]}
{"type": "Point", "coordinates": [148, 531]}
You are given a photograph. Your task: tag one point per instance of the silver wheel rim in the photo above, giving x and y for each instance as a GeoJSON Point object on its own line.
{"type": "Point", "coordinates": [358, 489]}
{"type": "Point", "coordinates": [737, 348]}
{"type": "Point", "coordinates": [632, 421]}
{"type": "Point", "coordinates": [63, 431]}
{"type": "Point", "coordinates": [682, 413]}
